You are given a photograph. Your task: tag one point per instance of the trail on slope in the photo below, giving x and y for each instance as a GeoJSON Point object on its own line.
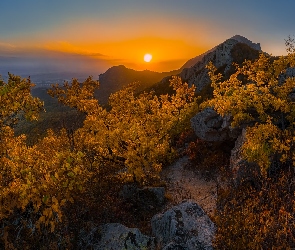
{"type": "Point", "coordinates": [186, 183]}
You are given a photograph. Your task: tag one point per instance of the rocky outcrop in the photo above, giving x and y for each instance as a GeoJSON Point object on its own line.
{"type": "Point", "coordinates": [221, 56]}
{"type": "Point", "coordinates": [242, 170]}
{"type": "Point", "coordinates": [210, 126]}
{"type": "Point", "coordinates": [185, 226]}
{"type": "Point", "coordinates": [290, 73]}
{"type": "Point", "coordinates": [242, 39]}
{"type": "Point", "coordinates": [238, 38]}
{"type": "Point", "coordinates": [116, 236]}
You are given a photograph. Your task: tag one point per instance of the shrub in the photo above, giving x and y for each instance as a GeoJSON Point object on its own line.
{"type": "Point", "coordinates": [257, 219]}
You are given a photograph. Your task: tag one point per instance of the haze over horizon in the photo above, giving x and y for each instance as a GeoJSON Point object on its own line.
{"type": "Point", "coordinates": [91, 36]}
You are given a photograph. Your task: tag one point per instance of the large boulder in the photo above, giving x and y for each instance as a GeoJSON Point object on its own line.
{"type": "Point", "coordinates": [210, 126]}
{"type": "Point", "coordinates": [115, 236]}
{"type": "Point", "coordinates": [242, 170]}
{"type": "Point", "coordinates": [185, 226]}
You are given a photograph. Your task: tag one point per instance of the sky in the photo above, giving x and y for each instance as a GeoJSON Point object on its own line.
{"type": "Point", "coordinates": [39, 36]}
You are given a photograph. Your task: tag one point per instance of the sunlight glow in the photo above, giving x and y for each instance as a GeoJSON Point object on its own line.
{"type": "Point", "coordinates": [147, 57]}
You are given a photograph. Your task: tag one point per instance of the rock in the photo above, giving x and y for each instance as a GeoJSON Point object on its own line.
{"type": "Point", "coordinates": [88, 237]}
{"type": "Point", "coordinates": [242, 39]}
{"type": "Point", "coordinates": [221, 56]}
{"type": "Point", "coordinates": [210, 126]}
{"type": "Point", "coordinates": [243, 171]}
{"type": "Point", "coordinates": [185, 226]}
{"type": "Point", "coordinates": [115, 236]}
{"type": "Point", "coordinates": [145, 198]}
{"type": "Point", "coordinates": [290, 73]}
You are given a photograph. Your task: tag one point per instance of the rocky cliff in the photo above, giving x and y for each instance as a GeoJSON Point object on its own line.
{"type": "Point", "coordinates": [236, 49]}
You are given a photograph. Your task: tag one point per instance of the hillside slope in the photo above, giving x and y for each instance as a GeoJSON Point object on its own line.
{"type": "Point", "coordinates": [117, 77]}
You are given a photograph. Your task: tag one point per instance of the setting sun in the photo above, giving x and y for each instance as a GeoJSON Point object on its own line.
{"type": "Point", "coordinates": [147, 57]}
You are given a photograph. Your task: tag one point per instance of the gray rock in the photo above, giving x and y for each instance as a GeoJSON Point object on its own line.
{"type": "Point", "coordinates": [210, 126]}
{"type": "Point", "coordinates": [185, 226]}
{"type": "Point", "coordinates": [290, 73]}
{"type": "Point", "coordinates": [221, 56]}
{"type": "Point", "coordinates": [115, 236]}
{"type": "Point", "coordinates": [242, 170]}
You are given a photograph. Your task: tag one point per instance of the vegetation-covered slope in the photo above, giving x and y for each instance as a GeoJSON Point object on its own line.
{"type": "Point", "coordinates": [128, 142]}
{"type": "Point", "coordinates": [48, 189]}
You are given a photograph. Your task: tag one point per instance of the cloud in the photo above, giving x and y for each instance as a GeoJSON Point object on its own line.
{"type": "Point", "coordinates": [37, 61]}
{"type": "Point", "coordinates": [6, 47]}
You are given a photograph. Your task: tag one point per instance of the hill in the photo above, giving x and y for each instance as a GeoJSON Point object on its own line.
{"type": "Point", "coordinates": [116, 77]}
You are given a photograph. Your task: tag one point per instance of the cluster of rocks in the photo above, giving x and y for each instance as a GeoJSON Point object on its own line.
{"type": "Point", "coordinates": [210, 126]}
{"type": "Point", "coordinates": [185, 226]}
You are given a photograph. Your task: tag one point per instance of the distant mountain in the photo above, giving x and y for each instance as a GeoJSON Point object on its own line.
{"type": "Point", "coordinates": [238, 38]}
{"type": "Point", "coordinates": [115, 78]}
{"type": "Point", "coordinates": [236, 49]}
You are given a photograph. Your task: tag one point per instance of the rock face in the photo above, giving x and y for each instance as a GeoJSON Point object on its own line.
{"type": "Point", "coordinates": [221, 56]}
{"type": "Point", "coordinates": [115, 236]}
{"type": "Point", "coordinates": [243, 171]}
{"type": "Point", "coordinates": [290, 72]}
{"type": "Point", "coordinates": [210, 126]}
{"type": "Point", "coordinates": [185, 226]}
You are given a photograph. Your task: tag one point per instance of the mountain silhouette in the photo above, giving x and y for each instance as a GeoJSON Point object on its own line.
{"type": "Point", "coordinates": [235, 49]}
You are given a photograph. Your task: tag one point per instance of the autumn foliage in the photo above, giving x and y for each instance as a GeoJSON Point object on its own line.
{"type": "Point", "coordinates": [132, 138]}
{"type": "Point", "coordinates": [128, 141]}
{"type": "Point", "coordinates": [259, 97]}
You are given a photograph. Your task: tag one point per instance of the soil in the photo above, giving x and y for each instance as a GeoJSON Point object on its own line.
{"type": "Point", "coordinates": [185, 183]}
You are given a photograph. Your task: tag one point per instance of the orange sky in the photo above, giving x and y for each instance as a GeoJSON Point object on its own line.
{"type": "Point", "coordinates": [168, 54]}
{"type": "Point", "coordinates": [96, 35]}
{"type": "Point", "coordinates": [123, 41]}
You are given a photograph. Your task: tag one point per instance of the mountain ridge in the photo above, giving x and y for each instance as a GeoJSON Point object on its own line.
{"type": "Point", "coordinates": [191, 62]}
{"type": "Point", "coordinates": [235, 49]}
{"type": "Point", "coordinates": [117, 77]}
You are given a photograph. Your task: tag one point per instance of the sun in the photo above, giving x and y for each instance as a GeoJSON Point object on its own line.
{"type": "Point", "coordinates": [147, 57]}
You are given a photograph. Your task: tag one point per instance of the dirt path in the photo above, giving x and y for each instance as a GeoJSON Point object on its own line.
{"type": "Point", "coordinates": [184, 183]}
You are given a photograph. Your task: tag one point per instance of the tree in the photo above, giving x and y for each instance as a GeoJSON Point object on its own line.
{"type": "Point", "coordinates": [129, 141]}
{"type": "Point", "coordinates": [260, 97]}
{"type": "Point", "coordinates": [135, 134]}
{"type": "Point", "coordinates": [16, 100]}
{"type": "Point", "coordinates": [259, 94]}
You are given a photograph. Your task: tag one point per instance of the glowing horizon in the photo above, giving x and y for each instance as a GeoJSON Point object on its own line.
{"type": "Point", "coordinates": [109, 34]}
